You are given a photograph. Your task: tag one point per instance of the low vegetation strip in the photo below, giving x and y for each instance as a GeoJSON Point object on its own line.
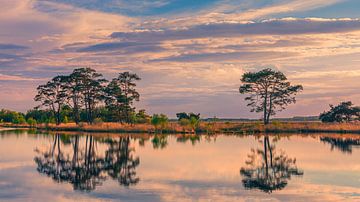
{"type": "Point", "coordinates": [204, 127]}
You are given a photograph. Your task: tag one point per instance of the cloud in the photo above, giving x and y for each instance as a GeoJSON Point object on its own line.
{"type": "Point", "coordinates": [238, 11]}
{"type": "Point", "coordinates": [12, 47]}
{"type": "Point", "coordinates": [128, 47]}
{"type": "Point", "coordinates": [179, 54]}
{"type": "Point", "coordinates": [230, 56]}
{"type": "Point", "coordinates": [4, 77]}
{"type": "Point", "coordinates": [135, 7]}
{"type": "Point", "coordinates": [285, 26]}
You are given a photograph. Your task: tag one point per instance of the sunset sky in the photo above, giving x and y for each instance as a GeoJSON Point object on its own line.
{"type": "Point", "coordinates": [189, 54]}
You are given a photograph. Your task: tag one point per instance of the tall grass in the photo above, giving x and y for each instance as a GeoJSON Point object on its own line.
{"type": "Point", "coordinates": [207, 127]}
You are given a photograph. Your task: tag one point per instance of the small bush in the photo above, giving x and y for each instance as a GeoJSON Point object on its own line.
{"type": "Point", "coordinates": [98, 121]}
{"type": "Point", "coordinates": [32, 122]}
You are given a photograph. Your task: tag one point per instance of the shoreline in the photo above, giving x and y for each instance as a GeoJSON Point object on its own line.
{"type": "Point", "coordinates": [204, 128]}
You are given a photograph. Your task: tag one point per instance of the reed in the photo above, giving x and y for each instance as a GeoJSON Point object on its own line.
{"type": "Point", "coordinates": [206, 127]}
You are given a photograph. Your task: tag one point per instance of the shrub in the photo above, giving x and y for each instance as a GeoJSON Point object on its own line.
{"type": "Point", "coordinates": [98, 121]}
{"type": "Point", "coordinates": [159, 121]}
{"type": "Point", "coordinates": [32, 122]}
{"type": "Point", "coordinates": [344, 112]}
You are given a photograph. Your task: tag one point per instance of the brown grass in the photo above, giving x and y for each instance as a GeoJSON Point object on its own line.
{"type": "Point", "coordinates": [207, 127]}
{"type": "Point", "coordinates": [307, 127]}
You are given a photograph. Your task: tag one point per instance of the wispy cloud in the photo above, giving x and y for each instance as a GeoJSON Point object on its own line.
{"type": "Point", "coordinates": [190, 54]}
{"type": "Point", "coordinates": [285, 26]}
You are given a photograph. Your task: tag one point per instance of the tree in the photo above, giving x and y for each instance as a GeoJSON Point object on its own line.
{"type": "Point", "coordinates": [344, 112]}
{"type": "Point", "coordinates": [52, 95]}
{"type": "Point", "coordinates": [191, 120]}
{"type": "Point", "coordinates": [85, 86]}
{"type": "Point", "coordinates": [142, 117]}
{"type": "Point", "coordinates": [74, 93]}
{"type": "Point", "coordinates": [8, 116]}
{"type": "Point", "coordinates": [41, 116]}
{"type": "Point", "coordinates": [32, 122]}
{"type": "Point", "coordinates": [120, 96]}
{"type": "Point", "coordinates": [159, 121]}
{"type": "Point", "coordinates": [269, 92]}
{"type": "Point", "coordinates": [184, 115]}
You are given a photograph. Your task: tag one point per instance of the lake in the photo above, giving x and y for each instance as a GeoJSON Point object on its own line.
{"type": "Point", "coordinates": [142, 167]}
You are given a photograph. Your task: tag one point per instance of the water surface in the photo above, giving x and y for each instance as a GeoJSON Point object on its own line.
{"type": "Point", "coordinates": [68, 167]}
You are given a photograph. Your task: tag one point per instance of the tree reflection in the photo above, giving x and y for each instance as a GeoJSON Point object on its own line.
{"type": "Point", "coordinates": [159, 141]}
{"type": "Point", "coordinates": [185, 138]}
{"type": "Point", "coordinates": [84, 167]}
{"type": "Point", "coordinates": [120, 163]}
{"type": "Point", "coordinates": [345, 145]}
{"type": "Point", "coordinates": [268, 171]}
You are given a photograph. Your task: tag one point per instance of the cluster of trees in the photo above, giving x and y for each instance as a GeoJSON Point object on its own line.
{"type": "Point", "coordinates": [12, 117]}
{"type": "Point", "coordinates": [344, 112]}
{"type": "Point", "coordinates": [85, 95]}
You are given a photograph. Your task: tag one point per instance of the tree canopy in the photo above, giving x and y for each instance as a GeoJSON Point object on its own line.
{"type": "Point", "coordinates": [84, 95]}
{"type": "Point", "coordinates": [268, 91]}
{"type": "Point", "coordinates": [343, 112]}
{"type": "Point", "coordinates": [52, 95]}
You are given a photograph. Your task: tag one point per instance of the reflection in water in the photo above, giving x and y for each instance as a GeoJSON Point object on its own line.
{"type": "Point", "coordinates": [86, 162]}
{"type": "Point", "coordinates": [268, 171]}
{"type": "Point", "coordinates": [192, 138]}
{"type": "Point", "coordinates": [120, 163]}
{"type": "Point", "coordinates": [84, 167]}
{"type": "Point", "coordinates": [343, 144]}
{"type": "Point", "coordinates": [159, 141]}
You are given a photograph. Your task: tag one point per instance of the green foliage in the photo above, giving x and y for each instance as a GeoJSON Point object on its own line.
{"type": "Point", "coordinates": [9, 116]}
{"type": "Point", "coordinates": [19, 119]}
{"type": "Point", "coordinates": [76, 97]}
{"type": "Point", "coordinates": [194, 123]}
{"type": "Point", "coordinates": [32, 122]}
{"type": "Point", "coordinates": [142, 117]}
{"type": "Point", "coordinates": [52, 96]}
{"type": "Point", "coordinates": [344, 112]}
{"type": "Point", "coordinates": [66, 119]}
{"type": "Point", "coordinates": [120, 95]}
{"type": "Point", "coordinates": [190, 120]}
{"type": "Point", "coordinates": [269, 92]}
{"type": "Point", "coordinates": [41, 116]}
{"type": "Point", "coordinates": [98, 121]}
{"type": "Point", "coordinates": [159, 121]}
{"type": "Point", "coordinates": [90, 85]}
{"type": "Point", "coordinates": [184, 115]}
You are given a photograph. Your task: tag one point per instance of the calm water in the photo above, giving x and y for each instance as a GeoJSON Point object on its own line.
{"type": "Point", "coordinates": [40, 167]}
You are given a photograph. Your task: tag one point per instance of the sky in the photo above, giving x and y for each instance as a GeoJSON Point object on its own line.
{"type": "Point", "coordinates": [189, 54]}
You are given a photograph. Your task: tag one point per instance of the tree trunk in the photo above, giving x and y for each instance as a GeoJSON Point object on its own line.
{"type": "Point", "coordinates": [269, 112]}
{"type": "Point", "coordinates": [265, 108]}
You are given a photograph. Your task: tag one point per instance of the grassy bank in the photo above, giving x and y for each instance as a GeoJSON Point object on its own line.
{"type": "Point", "coordinates": [204, 127]}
